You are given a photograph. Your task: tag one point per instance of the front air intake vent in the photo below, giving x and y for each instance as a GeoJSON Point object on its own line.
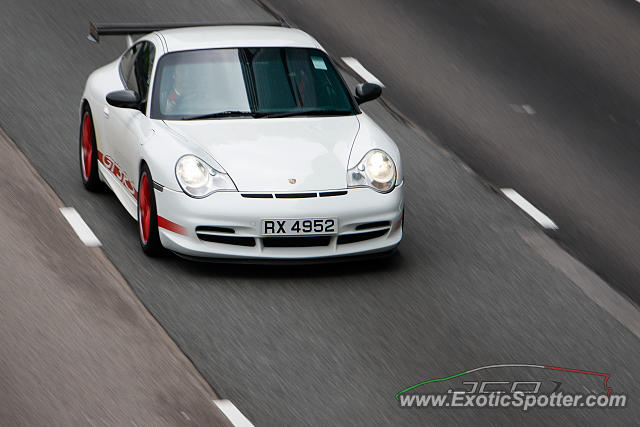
{"type": "Point", "coordinates": [333, 193]}
{"type": "Point", "coordinates": [359, 237]}
{"type": "Point", "coordinates": [258, 195]}
{"type": "Point", "coordinates": [228, 240]}
{"type": "Point", "coordinates": [206, 229]}
{"type": "Point", "coordinates": [296, 242]}
{"type": "Point", "coordinates": [370, 225]}
{"type": "Point", "coordinates": [295, 195]}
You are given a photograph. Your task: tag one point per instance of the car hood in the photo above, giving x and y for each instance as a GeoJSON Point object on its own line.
{"type": "Point", "coordinates": [283, 154]}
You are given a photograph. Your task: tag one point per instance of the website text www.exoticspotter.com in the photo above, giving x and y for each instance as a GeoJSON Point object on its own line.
{"type": "Point", "coordinates": [521, 400]}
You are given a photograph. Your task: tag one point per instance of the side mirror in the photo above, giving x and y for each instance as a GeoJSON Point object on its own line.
{"type": "Point", "coordinates": [124, 99]}
{"type": "Point", "coordinates": [367, 92]}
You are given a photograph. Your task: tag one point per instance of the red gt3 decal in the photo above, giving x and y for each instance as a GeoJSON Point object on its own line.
{"type": "Point", "coordinates": [108, 163]}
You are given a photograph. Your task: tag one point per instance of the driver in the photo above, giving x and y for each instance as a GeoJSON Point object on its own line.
{"type": "Point", "coordinates": [183, 89]}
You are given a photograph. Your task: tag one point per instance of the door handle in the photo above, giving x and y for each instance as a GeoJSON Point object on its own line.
{"type": "Point", "coordinates": [105, 110]}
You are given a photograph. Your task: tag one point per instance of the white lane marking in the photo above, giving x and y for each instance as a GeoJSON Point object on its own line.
{"type": "Point", "coordinates": [524, 108]}
{"type": "Point", "coordinates": [362, 72]}
{"type": "Point", "coordinates": [80, 227]}
{"type": "Point", "coordinates": [528, 109]}
{"type": "Point", "coordinates": [531, 210]}
{"type": "Point", "coordinates": [232, 413]}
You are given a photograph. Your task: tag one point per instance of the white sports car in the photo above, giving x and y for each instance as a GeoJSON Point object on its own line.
{"type": "Point", "coordinates": [239, 142]}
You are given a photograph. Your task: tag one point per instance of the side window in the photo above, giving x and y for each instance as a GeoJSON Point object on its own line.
{"type": "Point", "coordinates": [126, 67]}
{"type": "Point", "coordinates": [143, 64]}
{"type": "Point", "coordinates": [135, 67]}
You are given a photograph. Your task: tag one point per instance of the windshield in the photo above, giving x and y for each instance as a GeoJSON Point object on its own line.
{"type": "Point", "coordinates": [257, 82]}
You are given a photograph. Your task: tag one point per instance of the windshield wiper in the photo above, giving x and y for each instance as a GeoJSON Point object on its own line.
{"type": "Point", "coordinates": [229, 113]}
{"type": "Point", "coordinates": [308, 113]}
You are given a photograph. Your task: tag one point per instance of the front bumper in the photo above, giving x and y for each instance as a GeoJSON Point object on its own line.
{"type": "Point", "coordinates": [226, 224]}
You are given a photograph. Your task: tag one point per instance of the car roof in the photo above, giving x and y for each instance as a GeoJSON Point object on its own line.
{"type": "Point", "coordinates": [236, 36]}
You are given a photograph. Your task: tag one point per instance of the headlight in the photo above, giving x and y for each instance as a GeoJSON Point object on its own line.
{"type": "Point", "coordinates": [375, 170]}
{"type": "Point", "coordinates": [198, 179]}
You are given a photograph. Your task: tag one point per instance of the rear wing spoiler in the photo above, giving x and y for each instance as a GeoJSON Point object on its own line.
{"type": "Point", "coordinates": [97, 30]}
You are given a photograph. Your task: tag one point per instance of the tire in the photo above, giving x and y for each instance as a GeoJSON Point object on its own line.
{"type": "Point", "coordinates": [148, 215]}
{"type": "Point", "coordinates": [88, 152]}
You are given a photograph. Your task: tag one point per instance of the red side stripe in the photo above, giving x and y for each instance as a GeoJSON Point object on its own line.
{"type": "Point", "coordinates": [171, 226]}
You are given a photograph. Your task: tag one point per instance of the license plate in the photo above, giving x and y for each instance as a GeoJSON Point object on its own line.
{"type": "Point", "coordinates": [296, 227]}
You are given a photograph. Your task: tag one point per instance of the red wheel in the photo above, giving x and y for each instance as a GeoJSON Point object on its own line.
{"type": "Point", "coordinates": [86, 147]}
{"type": "Point", "coordinates": [144, 208]}
{"type": "Point", "coordinates": [88, 152]}
{"type": "Point", "coordinates": [148, 215]}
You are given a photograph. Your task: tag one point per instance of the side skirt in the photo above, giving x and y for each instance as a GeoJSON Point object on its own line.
{"type": "Point", "coordinates": [124, 196]}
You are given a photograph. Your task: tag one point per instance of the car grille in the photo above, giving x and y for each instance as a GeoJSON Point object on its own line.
{"type": "Point", "coordinates": [228, 240]}
{"type": "Point", "coordinates": [257, 195]}
{"type": "Point", "coordinates": [370, 225]}
{"type": "Point", "coordinates": [208, 229]}
{"type": "Point", "coordinates": [215, 234]}
{"type": "Point", "coordinates": [307, 195]}
{"type": "Point", "coordinates": [296, 242]}
{"type": "Point", "coordinates": [225, 235]}
{"type": "Point", "coordinates": [344, 239]}
{"type": "Point", "coordinates": [333, 193]}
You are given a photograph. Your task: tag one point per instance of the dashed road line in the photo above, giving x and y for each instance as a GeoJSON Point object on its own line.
{"type": "Point", "coordinates": [361, 71]}
{"type": "Point", "coordinates": [524, 108]}
{"type": "Point", "coordinates": [232, 413]}
{"type": "Point", "coordinates": [531, 210]}
{"type": "Point", "coordinates": [80, 227]}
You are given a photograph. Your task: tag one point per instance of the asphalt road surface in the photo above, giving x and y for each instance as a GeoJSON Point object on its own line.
{"type": "Point", "coordinates": [332, 345]}
{"type": "Point", "coordinates": [538, 95]}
